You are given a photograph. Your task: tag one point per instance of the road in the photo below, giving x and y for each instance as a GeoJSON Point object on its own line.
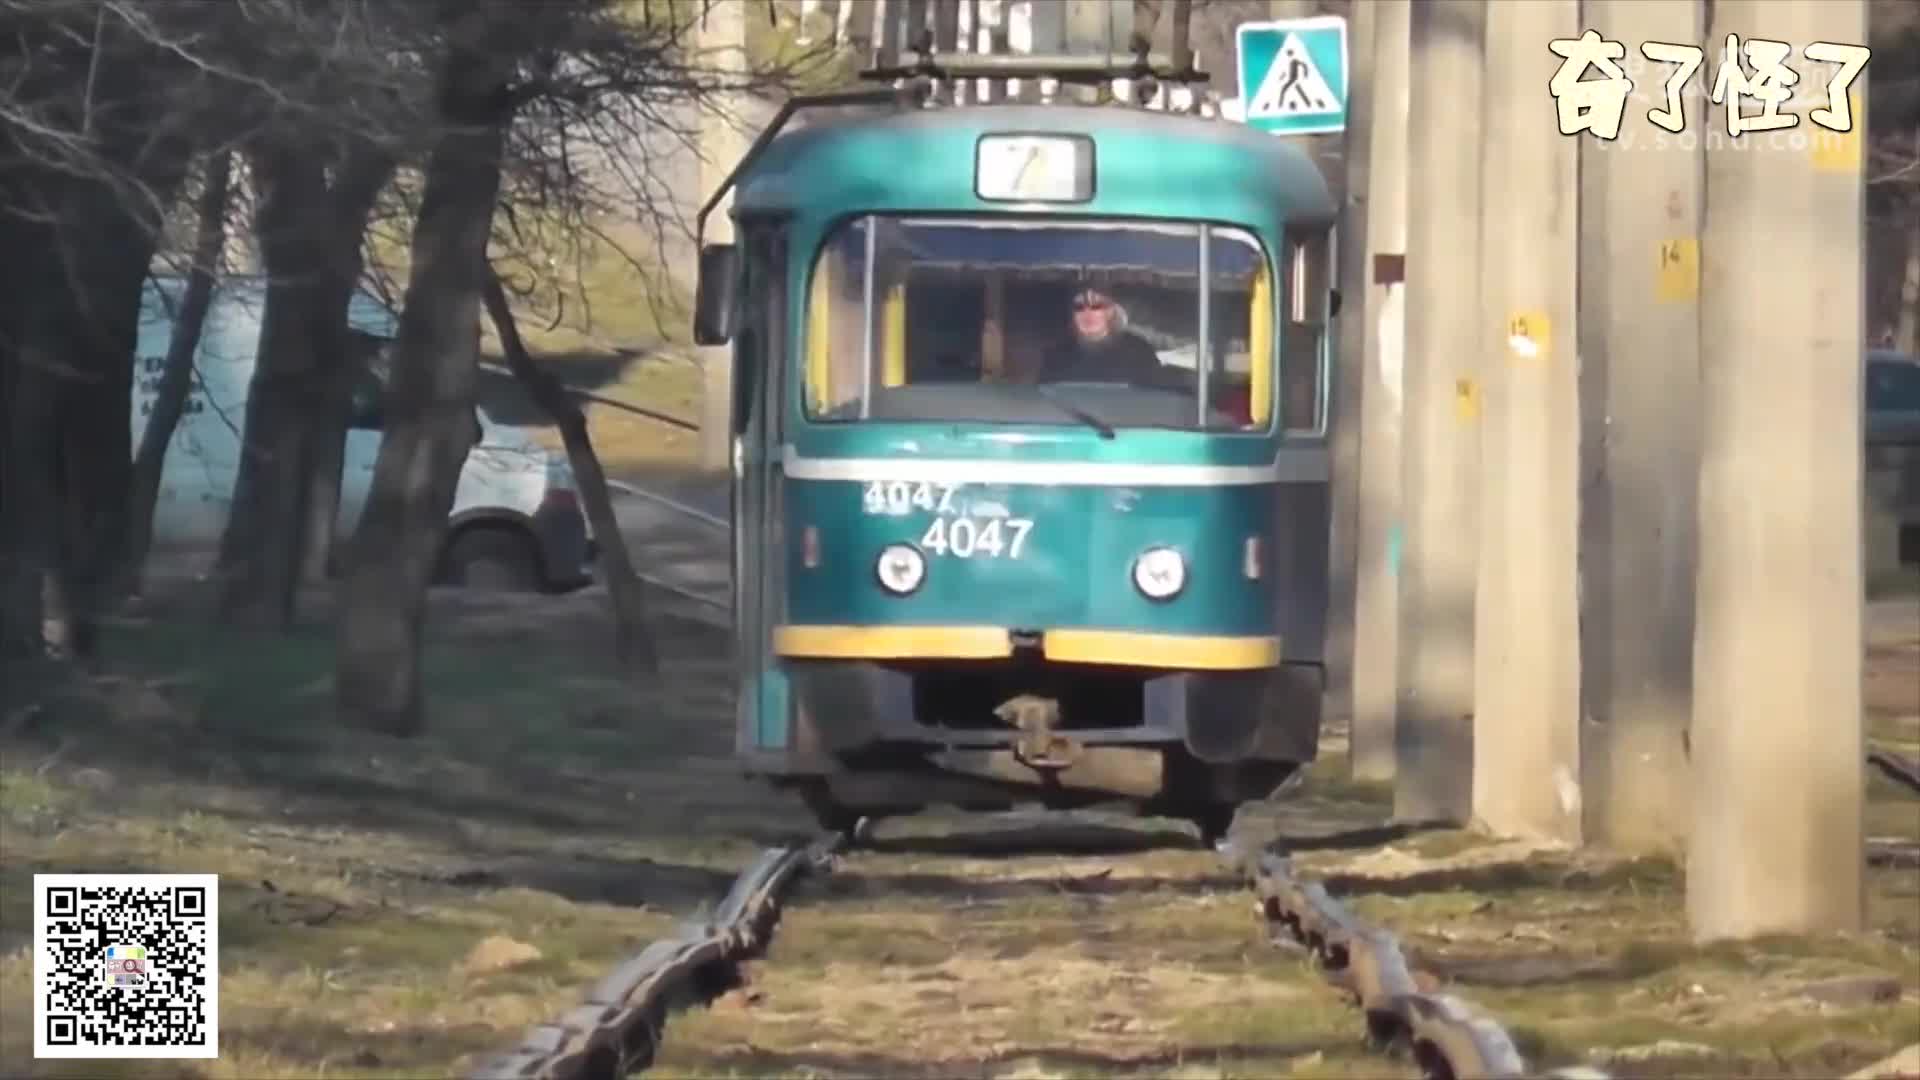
{"type": "Point", "coordinates": [682, 553]}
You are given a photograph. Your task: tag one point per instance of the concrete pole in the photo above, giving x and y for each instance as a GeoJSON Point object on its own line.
{"type": "Point", "coordinates": [1046, 32]}
{"type": "Point", "coordinates": [1376, 590]}
{"type": "Point", "coordinates": [1086, 29]}
{"type": "Point", "coordinates": [1097, 27]}
{"type": "Point", "coordinates": [1526, 729]}
{"type": "Point", "coordinates": [1350, 351]}
{"type": "Point", "coordinates": [1777, 835]}
{"type": "Point", "coordinates": [1640, 203]}
{"type": "Point", "coordinates": [1048, 22]}
{"type": "Point", "coordinates": [1433, 735]}
{"type": "Point", "coordinates": [723, 37]}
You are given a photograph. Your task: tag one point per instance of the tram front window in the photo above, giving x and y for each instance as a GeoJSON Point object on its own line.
{"type": "Point", "coordinates": [1045, 322]}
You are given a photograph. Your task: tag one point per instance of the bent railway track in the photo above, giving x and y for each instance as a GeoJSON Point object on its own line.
{"type": "Point", "coordinates": [1446, 1036]}
{"type": "Point", "coordinates": [615, 1031]}
{"type": "Point", "coordinates": [619, 1025]}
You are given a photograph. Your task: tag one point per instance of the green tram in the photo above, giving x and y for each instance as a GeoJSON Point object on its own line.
{"type": "Point", "coordinates": [1030, 457]}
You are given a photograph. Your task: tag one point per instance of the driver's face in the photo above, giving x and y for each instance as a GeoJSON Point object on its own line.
{"type": "Point", "coordinates": [1092, 315]}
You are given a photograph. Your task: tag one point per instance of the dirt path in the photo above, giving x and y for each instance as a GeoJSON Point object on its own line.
{"type": "Point", "coordinates": [396, 909]}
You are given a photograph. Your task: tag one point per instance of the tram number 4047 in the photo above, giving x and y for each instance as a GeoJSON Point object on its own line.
{"type": "Point", "coordinates": [953, 533]}
{"type": "Point", "coordinates": [968, 537]}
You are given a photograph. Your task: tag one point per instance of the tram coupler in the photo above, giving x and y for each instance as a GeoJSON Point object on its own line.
{"type": "Point", "coordinates": [1039, 746]}
{"type": "Point", "coordinates": [1049, 752]}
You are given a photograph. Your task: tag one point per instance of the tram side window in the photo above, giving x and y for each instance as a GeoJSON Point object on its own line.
{"type": "Point", "coordinates": [1239, 329]}
{"type": "Point", "coordinates": [1303, 347]}
{"type": "Point", "coordinates": [1001, 319]}
{"type": "Point", "coordinates": [835, 348]}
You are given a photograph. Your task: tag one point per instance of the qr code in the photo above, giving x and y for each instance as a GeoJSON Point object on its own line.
{"type": "Point", "coordinates": [126, 965]}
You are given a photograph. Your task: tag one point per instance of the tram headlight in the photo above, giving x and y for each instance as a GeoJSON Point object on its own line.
{"type": "Point", "coordinates": [901, 568]}
{"type": "Point", "coordinates": [1159, 573]}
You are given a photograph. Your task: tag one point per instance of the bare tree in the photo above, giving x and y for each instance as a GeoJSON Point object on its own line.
{"type": "Point", "coordinates": [430, 402]}
{"type": "Point", "coordinates": [632, 643]}
{"type": "Point", "coordinates": [176, 374]}
{"type": "Point", "coordinates": [564, 82]}
{"type": "Point", "coordinates": [102, 104]}
{"type": "Point", "coordinates": [93, 145]}
{"type": "Point", "coordinates": [331, 103]}
{"type": "Point", "coordinates": [1893, 173]}
{"type": "Point", "coordinates": [309, 231]}
{"type": "Point", "coordinates": [327, 103]}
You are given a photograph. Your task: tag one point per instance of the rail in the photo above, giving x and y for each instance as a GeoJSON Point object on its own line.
{"type": "Point", "coordinates": [1448, 1038]}
{"type": "Point", "coordinates": [1896, 768]}
{"type": "Point", "coordinates": [612, 403]}
{"type": "Point", "coordinates": [670, 503]}
{"type": "Point", "coordinates": [684, 593]}
{"type": "Point", "coordinates": [692, 512]}
{"type": "Point", "coordinates": [619, 1026]}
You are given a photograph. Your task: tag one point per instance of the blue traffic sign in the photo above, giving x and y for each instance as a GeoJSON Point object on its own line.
{"type": "Point", "coordinates": [1293, 75]}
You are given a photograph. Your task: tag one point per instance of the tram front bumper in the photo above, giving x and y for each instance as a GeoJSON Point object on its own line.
{"type": "Point", "coordinates": [1128, 648]}
{"type": "Point", "coordinates": [1219, 716]}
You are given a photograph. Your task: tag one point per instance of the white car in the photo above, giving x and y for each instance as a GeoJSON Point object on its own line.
{"type": "Point", "coordinates": [516, 520]}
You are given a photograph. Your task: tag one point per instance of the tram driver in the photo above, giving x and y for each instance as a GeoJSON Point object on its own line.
{"type": "Point", "coordinates": [1100, 348]}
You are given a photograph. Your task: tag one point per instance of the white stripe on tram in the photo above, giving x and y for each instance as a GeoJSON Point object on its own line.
{"type": "Point", "coordinates": [1292, 465]}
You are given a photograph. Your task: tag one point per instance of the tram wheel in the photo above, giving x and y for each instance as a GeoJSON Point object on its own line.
{"type": "Point", "coordinates": [1213, 821]}
{"type": "Point", "coordinates": [834, 816]}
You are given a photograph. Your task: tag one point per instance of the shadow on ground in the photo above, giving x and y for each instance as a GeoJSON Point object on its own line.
{"type": "Point", "coordinates": [1037, 1060]}
{"type": "Point", "coordinates": [1510, 877]}
{"type": "Point", "coordinates": [524, 743]}
{"type": "Point", "coordinates": [1078, 838]}
{"type": "Point", "coordinates": [856, 884]}
{"type": "Point", "coordinates": [423, 1050]}
{"type": "Point", "coordinates": [1350, 839]}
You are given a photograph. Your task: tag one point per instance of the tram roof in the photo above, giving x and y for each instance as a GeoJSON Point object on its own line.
{"type": "Point", "coordinates": [1148, 164]}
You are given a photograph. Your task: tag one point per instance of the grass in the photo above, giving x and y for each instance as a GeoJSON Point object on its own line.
{"type": "Point", "coordinates": [549, 805]}
{"type": "Point", "coordinates": [559, 805]}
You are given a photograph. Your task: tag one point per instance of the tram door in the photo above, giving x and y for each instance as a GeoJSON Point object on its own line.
{"type": "Point", "coordinates": [759, 546]}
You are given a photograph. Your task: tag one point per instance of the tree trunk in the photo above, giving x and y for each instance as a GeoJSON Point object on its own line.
{"type": "Point", "coordinates": [27, 393]}
{"type": "Point", "coordinates": [176, 376]}
{"type": "Point", "coordinates": [357, 182]}
{"type": "Point", "coordinates": [260, 551]}
{"type": "Point", "coordinates": [430, 405]}
{"type": "Point", "coordinates": [73, 327]}
{"type": "Point", "coordinates": [1907, 335]}
{"type": "Point", "coordinates": [632, 643]}
{"type": "Point", "coordinates": [89, 327]}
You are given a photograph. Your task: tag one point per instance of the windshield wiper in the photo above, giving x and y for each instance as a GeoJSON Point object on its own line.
{"type": "Point", "coordinates": [1105, 429]}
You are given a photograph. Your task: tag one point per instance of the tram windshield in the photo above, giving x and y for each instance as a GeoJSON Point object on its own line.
{"type": "Point", "coordinates": [1114, 324]}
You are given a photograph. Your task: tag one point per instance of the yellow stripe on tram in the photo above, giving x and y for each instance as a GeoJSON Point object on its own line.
{"type": "Point", "coordinates": [1122, 647]}
{"type": "Point", "coordinates": [893, 642]}
{"type": "Point", "coordinates": [1182, 651]}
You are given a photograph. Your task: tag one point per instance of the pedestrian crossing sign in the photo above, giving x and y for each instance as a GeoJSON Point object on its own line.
{"type": "Point", "coordinates": [1293, 75]}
